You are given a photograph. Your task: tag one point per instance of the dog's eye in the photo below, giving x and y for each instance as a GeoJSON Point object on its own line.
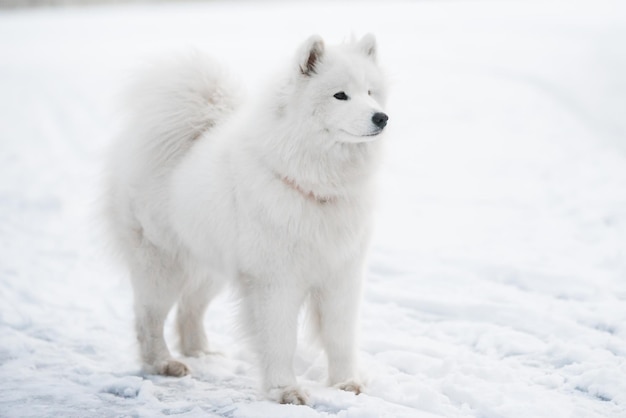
{"type": "Point", "coordinates": [369, 92]}
{"type": "Point", "coordinates": [341, 96]}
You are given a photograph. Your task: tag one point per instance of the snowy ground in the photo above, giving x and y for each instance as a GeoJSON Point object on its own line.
{"type": "Point", "coordinates": [497, 282]}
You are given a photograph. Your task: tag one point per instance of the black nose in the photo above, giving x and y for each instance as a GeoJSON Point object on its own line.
{"type": "Point", "coordinates": [380, 119]}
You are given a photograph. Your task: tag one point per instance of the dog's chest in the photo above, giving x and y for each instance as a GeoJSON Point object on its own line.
{"type": "Point", "coordinates": [309, 240]}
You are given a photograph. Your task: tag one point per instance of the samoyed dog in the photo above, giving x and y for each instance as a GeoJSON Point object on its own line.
{"type": "Point", "coordinates": [273, 196]}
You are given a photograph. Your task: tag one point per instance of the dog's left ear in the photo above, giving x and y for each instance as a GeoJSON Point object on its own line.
{"type": "Point", "coordinates": [309, 54]}
{"type": "Point", "coordinates": [368, 46]}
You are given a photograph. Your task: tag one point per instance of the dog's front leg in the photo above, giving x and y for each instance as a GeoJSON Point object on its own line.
{"type": "Point", "coordinates": [337, 311]}
{"type": "Point", "coordinates": [272, 316]}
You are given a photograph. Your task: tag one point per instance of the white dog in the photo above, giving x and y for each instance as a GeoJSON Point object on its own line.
{"type": "Point", "coordinates": [275, 197]}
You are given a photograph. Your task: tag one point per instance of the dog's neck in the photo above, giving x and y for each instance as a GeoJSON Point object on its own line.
{"type": "Point", "coordinates": [310, 195]}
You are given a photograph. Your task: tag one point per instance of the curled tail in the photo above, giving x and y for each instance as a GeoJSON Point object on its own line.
{"type": "Point", "coordinates": [172, 102]}
{"type": "Point", "coordinates": [168, 106]}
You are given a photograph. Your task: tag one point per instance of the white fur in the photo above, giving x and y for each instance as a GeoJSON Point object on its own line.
{"type": "Point", "coordinates": [275, 197]}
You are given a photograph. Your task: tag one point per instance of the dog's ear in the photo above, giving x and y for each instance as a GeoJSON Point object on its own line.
{"type": "Point", "coordinates": [310, 54]}
{"type": "Point", "coordinates": [368, 46]}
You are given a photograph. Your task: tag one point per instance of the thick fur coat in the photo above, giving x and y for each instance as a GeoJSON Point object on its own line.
{"type": "Point", "coordinates": [273, 196]}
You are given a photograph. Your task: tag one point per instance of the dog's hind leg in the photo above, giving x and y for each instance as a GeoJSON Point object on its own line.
{"type": "Point", "coordinates": [156, 281]}
{"type": "Point", "coordinates": [191, 307]}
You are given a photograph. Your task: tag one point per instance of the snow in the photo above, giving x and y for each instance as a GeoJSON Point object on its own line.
{"type": "Point", "coordinates": [496, 285]}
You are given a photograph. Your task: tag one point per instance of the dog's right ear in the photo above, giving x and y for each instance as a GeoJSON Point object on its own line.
{"type": "Point", "coordinates": [309, 54]}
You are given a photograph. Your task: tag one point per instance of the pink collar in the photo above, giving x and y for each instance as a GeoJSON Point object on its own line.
{"type": "Point", "coordinates": [308, 194]}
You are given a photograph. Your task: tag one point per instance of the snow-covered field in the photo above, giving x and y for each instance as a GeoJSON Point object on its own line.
{"type": "Point", "coordinates": [497, 281]}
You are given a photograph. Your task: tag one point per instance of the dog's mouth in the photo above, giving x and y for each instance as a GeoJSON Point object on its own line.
{"type": "Point", "coordinates": [371, 134]}
{"type": "Point", "coordinates": [378, 132]}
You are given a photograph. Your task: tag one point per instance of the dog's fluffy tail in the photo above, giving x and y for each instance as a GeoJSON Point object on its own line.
{"type": "Point", "coordinates": [166, 108]}
{"type": "Point", "coordinates": [175, 101]}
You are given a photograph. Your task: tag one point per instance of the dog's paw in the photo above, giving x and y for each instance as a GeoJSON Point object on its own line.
{"type": "Point", "coordinates": [173, 368]}
{"type": "Point", "coordinates": [350, 386]}
{"type": "Point", "coordinates": [289, 395]}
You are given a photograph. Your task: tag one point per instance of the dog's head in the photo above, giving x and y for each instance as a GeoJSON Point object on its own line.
{"type": "Point", "coordinates": [341, 89]}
